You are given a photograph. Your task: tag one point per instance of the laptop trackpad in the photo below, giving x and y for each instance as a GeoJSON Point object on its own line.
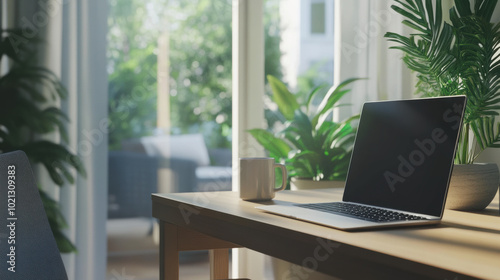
{"type": "Point", "coordinates": [322, 218]}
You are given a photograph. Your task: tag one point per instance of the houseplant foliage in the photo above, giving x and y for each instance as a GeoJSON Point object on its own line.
{"type": "Point", "coordinates": [460, 57]}
{"type": "Point", "coordinates": [25, 116]}
{"type": "Point", "coordinates": [310, 144]}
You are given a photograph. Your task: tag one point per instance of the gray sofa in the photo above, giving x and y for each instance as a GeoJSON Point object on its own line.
{"type": "Point", "coordinates": [132, 177]}
{"type": "Point", "coordinates": [144, 167]}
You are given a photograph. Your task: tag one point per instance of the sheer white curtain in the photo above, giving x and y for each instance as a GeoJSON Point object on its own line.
{"type": "Point", "coordinates": [79, 32]}
{"type": "Point", "coordinates": [74, 34]}
{"type": "Point", "coordinates": [361, 51]}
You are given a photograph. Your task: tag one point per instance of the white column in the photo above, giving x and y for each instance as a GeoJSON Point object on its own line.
{"type": "Point", "coordinates": [248, 108]}
{"type": "Point", "coordinates": [163, 96]}
{"type": "Point", "coordinates": [248, 79]}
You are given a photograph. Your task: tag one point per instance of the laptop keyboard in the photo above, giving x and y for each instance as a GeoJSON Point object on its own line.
{"type": "Point", "coordinates": [361, 212]}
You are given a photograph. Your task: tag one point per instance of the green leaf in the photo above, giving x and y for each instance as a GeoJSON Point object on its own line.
{"type": "Point", "coordinates": [301, 128]}
{"type": "Point", "coordinates": [311, 151]}
{"type": "Point", "coordinates": [55, 158]}
{"type": "Point", "coordinates": [57, 223]}
{"type": "Point", "coordinates": [25, 115]}
{"type": "Point", "coordinates": [463, 8]}
{"type": "Point", "coordinates": [274, 145]}
{"type": "Point", "coordinates": [307, 162]}
{"type": "Point", "coordinates": [286, 101]}
{"type": "Point", "coordinates": [330, 100]}
{"type": "Point", "coordinates": [311, 96]}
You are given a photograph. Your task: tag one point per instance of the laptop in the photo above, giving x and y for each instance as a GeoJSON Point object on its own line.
{"type": "Point", "coordinates": [400, 167]}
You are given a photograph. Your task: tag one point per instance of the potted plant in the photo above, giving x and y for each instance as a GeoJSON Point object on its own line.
{"type": "Point", "coordinates": [459, 57]}
{"type": "Point", "coordinates": [26, 115]}
{"type": "Point", "coordinates": [308, 141]}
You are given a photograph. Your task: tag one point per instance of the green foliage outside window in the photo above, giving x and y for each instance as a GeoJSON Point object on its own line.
{"type": "Point", "coordinates": [200, 66]}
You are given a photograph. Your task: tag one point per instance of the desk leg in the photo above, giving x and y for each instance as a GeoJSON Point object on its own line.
{"type": "Point", "coordinates": [169, 252]}
{"type": "Point", "coordinates": [219, 264]}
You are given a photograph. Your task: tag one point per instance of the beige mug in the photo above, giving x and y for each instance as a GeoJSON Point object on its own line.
{"type": "Point", "coordinates": [257, 178]}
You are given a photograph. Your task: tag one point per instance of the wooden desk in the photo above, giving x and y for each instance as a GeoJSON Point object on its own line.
{"type": "Point", "coordinates": [466, 245]}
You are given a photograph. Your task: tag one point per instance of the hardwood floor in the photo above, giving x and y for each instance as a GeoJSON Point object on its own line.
{"type": "Point", "coordinates": [133, 253]}
{"type": "Point", "coordinates": [144, 266]}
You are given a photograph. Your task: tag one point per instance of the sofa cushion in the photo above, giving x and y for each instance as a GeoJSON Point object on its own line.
{"type": "Point", "coordinates": [214, 178]}
{"type": "Point", "coordinates": [187, 146]}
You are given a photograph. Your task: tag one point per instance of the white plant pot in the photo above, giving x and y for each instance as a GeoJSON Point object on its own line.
{"type": "Point", "coordinates": [472, 186]}
{"type": "Point", "coordinates": [308, 184]}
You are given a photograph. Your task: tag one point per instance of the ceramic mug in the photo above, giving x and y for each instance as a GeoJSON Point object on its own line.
{"type": "Point", "coordinates": [257, 178]}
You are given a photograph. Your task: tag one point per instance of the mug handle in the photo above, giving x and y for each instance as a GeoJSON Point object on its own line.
{"type": "Point", "coordinates": [284, 177]}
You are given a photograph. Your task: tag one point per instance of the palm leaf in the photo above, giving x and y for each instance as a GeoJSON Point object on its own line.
{"type": "Point", "coordinates": [462, 58]}
{"type": "Point", "coordinates": [427, 52]}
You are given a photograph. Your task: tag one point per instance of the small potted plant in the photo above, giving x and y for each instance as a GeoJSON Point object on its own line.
{"type": "Point", "coordinates": [460, 57]}
{"type": "Point", "coordinates": [314, 148]}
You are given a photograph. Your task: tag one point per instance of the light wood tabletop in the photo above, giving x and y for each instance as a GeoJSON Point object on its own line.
{"type": "Point", "coordinates": [465, 245]}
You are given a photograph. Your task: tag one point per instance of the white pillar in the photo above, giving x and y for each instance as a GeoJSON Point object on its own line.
{"type": "Point", "coordinates": [163, 97]}
{"type": "Point", "coordinates": [248, 108]}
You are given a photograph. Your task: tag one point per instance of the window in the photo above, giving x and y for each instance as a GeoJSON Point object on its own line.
{"type": "Point", "coordinates": [305, 30]}
{"type": "Point", "coordinates": [178, 52]}
{"type": "Point", "coordinates": [318, 23]}
{"type": "Point", "coordinates": [170, 109]}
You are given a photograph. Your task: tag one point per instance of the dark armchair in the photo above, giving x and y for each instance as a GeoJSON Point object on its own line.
{"type": "Point", "coordinates": [134, 176]}
{"type": "Point", "coordinates": [27, 245]}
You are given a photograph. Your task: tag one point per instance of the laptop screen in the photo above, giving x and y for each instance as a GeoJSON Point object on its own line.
{"type": "Point", "coordinates": [403, 154]}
